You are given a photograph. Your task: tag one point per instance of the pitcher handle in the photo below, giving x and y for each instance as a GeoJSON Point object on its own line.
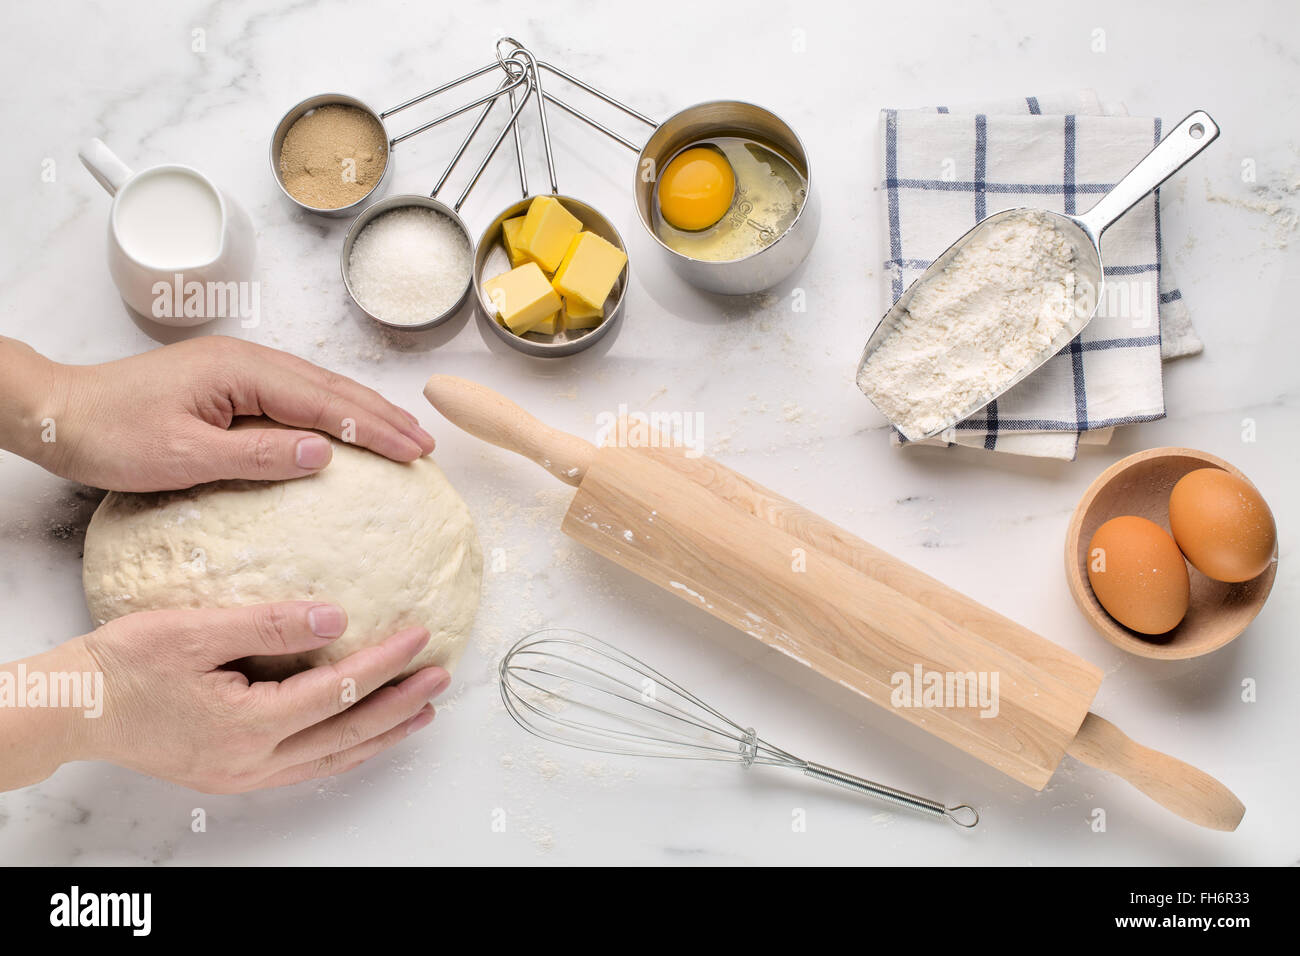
{"type": "Point", "coordinates": [109, 171]}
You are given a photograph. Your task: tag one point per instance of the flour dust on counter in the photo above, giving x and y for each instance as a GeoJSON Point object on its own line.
{"type": "Point", "coordinates": [58, 517]}
{"type": "Point", "coordinates": [1276, 199]}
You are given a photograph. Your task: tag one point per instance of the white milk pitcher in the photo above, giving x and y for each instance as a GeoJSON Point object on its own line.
{"type": "Point", "coordinates": [180, 250]}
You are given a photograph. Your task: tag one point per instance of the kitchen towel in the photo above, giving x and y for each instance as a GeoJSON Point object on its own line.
{"type": "Point", "coordinates": [944, 170]}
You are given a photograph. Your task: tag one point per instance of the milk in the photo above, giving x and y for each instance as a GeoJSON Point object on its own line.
{"type": "Point", "coordinates": [169, 219]}
{"type": "Point", "coordinates": [181, 250]}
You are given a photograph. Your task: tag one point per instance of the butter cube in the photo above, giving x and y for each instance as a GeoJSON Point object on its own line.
{"type": "Point", "coordinates": [510, 236]}
{"type": "Point", "coordinates": [549, 325]}
{"type": "Point", "coordinates": [579, 315]}
{"type": "Point", "coordinates": [589, 269]}
{"type": "Point", "coordinates": [522, 297]}
{"type": "Point", "coordinates": [547, 231]}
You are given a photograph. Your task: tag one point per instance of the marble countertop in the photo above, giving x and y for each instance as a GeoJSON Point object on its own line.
{"type": "Point", "coordinates": [206, 83]}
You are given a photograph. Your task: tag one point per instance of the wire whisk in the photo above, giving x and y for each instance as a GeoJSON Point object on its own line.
{"type": "Point", "coordinates": [577, 690]}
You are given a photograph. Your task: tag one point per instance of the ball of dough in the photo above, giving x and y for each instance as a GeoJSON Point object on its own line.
{"type": "Point", "coordinates": [391, 543]}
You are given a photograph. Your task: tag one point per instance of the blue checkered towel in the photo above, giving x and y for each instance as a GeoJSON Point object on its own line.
{"type": "Point", "coordinates": [945, 170]}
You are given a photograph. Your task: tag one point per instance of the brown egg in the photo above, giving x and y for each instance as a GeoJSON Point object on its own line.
{"type": "Point", "coordinates": [1138, 574]}
{"type": "Point", "coordinates": [1222, 525]}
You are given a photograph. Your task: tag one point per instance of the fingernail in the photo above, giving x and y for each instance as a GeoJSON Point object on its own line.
{"type": "Point", "coordinates": [313, 452]}
{"type": "Point", "coordinates": [427, 436]}
{"type": "Point", "coordinates": [413, 419]}
{"type": "Point", "coordinates": [421, 720]}
{"type": "Point", "coordinates": [327, 620]}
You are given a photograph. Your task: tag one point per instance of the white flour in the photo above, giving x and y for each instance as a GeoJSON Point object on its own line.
{"type": "Point", "coordinates": [970, 329]}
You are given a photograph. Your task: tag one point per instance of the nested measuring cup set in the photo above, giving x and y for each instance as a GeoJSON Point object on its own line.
{"type": "Point", "coordinates": [779, 246]}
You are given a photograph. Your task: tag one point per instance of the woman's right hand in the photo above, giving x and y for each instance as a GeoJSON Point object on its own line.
{"type": "Point", "coordinates": [172, 709]}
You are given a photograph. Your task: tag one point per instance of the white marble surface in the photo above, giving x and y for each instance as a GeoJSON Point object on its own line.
{"type": "Point", "coordinates": [775, 389]}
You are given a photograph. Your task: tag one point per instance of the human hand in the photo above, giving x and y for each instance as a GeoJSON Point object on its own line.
{"type": "Point", "coordinates": [173, 710]}
{"type": "Point", "coordinates": [160, 420]}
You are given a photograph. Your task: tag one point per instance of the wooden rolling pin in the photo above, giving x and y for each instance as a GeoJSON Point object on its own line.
{"type": "Point", "coordinates": [836, 604]}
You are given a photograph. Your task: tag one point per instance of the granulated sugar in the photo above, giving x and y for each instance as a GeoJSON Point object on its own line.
{"type": "Point", "coordinates": [995, 308]}
{"type": "Point", "coordinates": [409, 266]}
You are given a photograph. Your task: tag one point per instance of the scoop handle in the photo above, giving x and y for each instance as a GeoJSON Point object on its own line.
{"type": "Point", "coordinates": [1171, 154]}
{"type": "Point", "coordinates": [1192, 794]}
{"type": "Point", "coordinates": [494, 418]}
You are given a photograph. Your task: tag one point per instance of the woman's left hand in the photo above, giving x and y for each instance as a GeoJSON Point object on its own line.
{"type": "Point", "coordinates": [161, 420]}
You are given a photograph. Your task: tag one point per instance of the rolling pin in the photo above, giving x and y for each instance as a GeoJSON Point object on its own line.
{"type": "Point", "coordinates": [839, 606]}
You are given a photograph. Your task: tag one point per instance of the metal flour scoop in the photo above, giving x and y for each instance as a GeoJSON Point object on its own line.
{"type": "Point", "coordinates": [1173, 152]}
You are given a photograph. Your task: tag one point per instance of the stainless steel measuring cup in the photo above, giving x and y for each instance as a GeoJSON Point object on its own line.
{"type": "Point", "coordinates": [1183, 142]}
{"type": "Point", "coordinates": [752, 273]}
{"type": "Point", "coordinates": [491, 258]}
{"type": "Point", "coordinates": [301, 109]}
{"type": "Point", "coordinates": [515, 76]}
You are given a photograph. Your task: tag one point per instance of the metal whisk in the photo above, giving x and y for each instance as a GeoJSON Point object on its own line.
{"type": "Point", "coordinates": [577, 690]}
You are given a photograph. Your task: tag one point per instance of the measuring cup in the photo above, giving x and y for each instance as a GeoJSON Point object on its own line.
{"type": "Point", "coordinates": [327, 99]}
{"type": "Point", "coordinates": [1185, 141]}
{"type": "Point", "coordinates": [760, 270]}
{"type": "Point", "coordinates": [452, 213]}
{"type": "Point", "coordinates": [491, 258]}
{"type": "Point", "coordinates": [143, 243]}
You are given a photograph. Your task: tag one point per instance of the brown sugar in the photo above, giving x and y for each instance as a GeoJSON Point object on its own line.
{"type": "Point", "coordinates": [333, 156]}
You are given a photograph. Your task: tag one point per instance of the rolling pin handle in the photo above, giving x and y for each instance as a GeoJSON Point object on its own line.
{"type": "Point", "coordinates": [1191, 793]}
{"type": "Point", "coordinates": [492, 417]}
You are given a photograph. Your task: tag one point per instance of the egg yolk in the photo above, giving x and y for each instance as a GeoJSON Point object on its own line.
{"type": "Point", "coordinates": [696, 189]}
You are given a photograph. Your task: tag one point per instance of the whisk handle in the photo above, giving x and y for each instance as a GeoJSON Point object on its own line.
{"type": "Point", "coordinates": [962, 815]}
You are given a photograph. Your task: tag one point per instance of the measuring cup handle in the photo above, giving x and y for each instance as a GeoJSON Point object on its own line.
{"type": "Point", "coordinates": [109, 171]}
{"type": "Point", "coordinates": [1173, 152]}
{"type": "Point", "coordinates": [600, 95]}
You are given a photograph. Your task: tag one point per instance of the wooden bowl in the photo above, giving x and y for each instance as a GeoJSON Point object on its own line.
{"type": "Point", "coordinates": [1140, 485]}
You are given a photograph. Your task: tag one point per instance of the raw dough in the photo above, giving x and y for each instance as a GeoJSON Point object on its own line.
{"type": "Point", "coordinates": [393, 544]}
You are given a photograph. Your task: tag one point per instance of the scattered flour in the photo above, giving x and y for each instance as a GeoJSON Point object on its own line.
{"type": "Point", "coordinates": [1277, 200]}
{"type": "Point", "coordinates": [973, 327]}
